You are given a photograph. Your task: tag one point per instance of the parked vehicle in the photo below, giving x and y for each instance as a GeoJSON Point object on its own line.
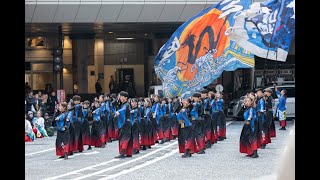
{"type": "Point", "coordinates": [157, 89]}
{"type": "Point", "coordinates": [235, 107]}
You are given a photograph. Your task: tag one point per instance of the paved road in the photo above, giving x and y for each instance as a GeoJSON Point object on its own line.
{"type": "Point", "coordinates": [162, 161]}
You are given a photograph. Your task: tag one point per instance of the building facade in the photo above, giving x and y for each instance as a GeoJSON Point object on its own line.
{"type": "Point", "coordinates": [103, 38]}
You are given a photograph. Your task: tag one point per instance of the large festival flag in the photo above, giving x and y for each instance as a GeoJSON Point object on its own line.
{"type": "Point", "coordinates": [266, 29]}
{"type": "Point", "coordinates": [199, 50]}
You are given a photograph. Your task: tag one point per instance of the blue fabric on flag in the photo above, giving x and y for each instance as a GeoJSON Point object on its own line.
{"type": "Point", "coordinates": [199, 51]}
{"type": "Point", "coordinates": [266, 29]}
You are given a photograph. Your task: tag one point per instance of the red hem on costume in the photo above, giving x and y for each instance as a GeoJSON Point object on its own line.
{"type": "Point", "coordinates": [283, 123]}
{"type": "Point", "coordinates": [248, 148]}
{"type": "Point", "coordinates": [60, 151]}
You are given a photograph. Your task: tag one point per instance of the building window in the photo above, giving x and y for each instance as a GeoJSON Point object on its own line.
{"type": "Point", "coordinates": [36, 43]}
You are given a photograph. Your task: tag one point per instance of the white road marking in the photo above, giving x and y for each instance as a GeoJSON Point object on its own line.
{"type": "Point", "coordinates": [128, 162]}
{"type": "Point", "coordinates": [125, 163]}
{"type": "Point", "coordinates": [229, 123]}
{"type": "Point", "coordinates": [144, 164]}
{"type": "Point", "coordinates": [83, 169]}
{"type": "Point", "coordinates": [30, 154]}
{"type": "Point", "coordinates": [78, 154]}
{"type": "Point", "coordinates": [141, 165]}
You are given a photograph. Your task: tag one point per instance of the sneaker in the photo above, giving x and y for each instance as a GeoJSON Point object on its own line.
{"type": "Point", "coordinates": [120, 156]}
{"type": "Point", "coordinates": [254, 156]}
{"type": "Point", "coordinates": [201, 152]}
{"type": "Point", "coordinates": [137, 152]}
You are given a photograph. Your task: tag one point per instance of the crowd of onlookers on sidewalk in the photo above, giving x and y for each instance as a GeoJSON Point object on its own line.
{"type": "Point", "coordinates": [39, 109]}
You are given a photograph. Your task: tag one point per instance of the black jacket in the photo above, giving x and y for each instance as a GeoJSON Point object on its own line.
{"type": "Point", "coordinates": [98, 87]}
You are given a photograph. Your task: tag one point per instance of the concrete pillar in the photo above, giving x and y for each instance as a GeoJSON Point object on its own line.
{"type": "Point", "coordinates": [67, 69]}
{"type": "Point", "coordinates": [99, 63]}
{"type": "Point", "coordinates": [83, 51]}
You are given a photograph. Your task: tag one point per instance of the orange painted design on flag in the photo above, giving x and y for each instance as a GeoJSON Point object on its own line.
{"type": "Point", "coordinates": [195, 28]}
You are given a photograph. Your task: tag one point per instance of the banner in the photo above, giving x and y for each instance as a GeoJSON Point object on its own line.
{"type": "Point", "coordinates": [199, 50]}
{"type": "Point", "coordinates": [266, 29]}
{"type": "Point", "coordinates": [61, 95]}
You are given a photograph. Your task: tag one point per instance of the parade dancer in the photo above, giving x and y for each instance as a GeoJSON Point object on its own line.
{"type": "Point", "coordinates": [214, 115]}
{"type": "Point", "coordinates": [248, 141]}
{"type": "Point", "coordinates": [165, 121]}
{"type": "Point", "coordinates": [185, 136]}
{"type": "Point", "coordinates": [261, 109]}
{"type": "Point", "coordinates": [170, 113]}
{"type": "Point", "coordinates": [112, 124]}
{"type": "Point", "coordinates": [71, 119]}
{"type": "Point", "coordinates": [281, 108]}
{"type": "Point", "coordinates": [63, 135]}
{"type": "Point", "coordinates": [135, 122]}
{"type": "Point", "coordinates": [253, 97]}
{"type": "Point", "coordinates": [85, 126]}
{"type": "Point", "coordinates": [103, 118]}
{"type": "Point", "coordinates": [146, 121]}
{"type": "Point", "coordinates": [115, 106]}
{"type": "Point", "coordinates": [78, 144]}
{"type": "Point", "coordinates": [109, 115]}
{"type": "Point", "coordinates": [141, 113]}
{"type": "Point", "coordinates": [106, 99]}
{"type": "Point", "coordinates": [196, 120]}
{"type": "Point", "coordinates": [97, 133]}
{"type": "Point", "coordinates": [269, 112]}
{"type": "Point", "coordinates": [221, 118]}
{"type": "Point", "coordinates": [124, 125]}
{"type": "Point", "coordinates": [207, 118]}
{"type": "Point", "coordinates": [176, 106]}
{"type": "Point", "coordinates": [156, 114]}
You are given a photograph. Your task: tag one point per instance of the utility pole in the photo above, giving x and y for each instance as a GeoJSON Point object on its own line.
{"type": "Point", "coordinates": [60, 45]}
{"type": "Point", "coordinates": [57, 54]}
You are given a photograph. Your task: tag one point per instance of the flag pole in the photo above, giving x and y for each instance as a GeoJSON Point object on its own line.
{"type": "Point", "coordinates": [275, 49]}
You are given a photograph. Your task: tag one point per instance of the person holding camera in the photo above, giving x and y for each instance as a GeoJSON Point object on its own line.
{"type": "Point", "coordinates": [281, 107]}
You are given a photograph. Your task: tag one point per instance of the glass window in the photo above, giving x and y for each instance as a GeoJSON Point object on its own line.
{"type": "Point", "coordinates": [40, 80]}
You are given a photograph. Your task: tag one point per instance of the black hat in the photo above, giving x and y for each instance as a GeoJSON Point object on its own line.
{"type": "Point", "coordinates": [125, 94]}
{"type": "Point", "coordinates": [204, 91]}
{"type": "Point", "coordinates": [86, 102]}
{"type": "Point", "coordinates": [114, 96]}
{"type": "Point", "coordinates": [134, 100]}
{"type": "Point", "coordinates": [76, 98]}
{"type": "Point", "coordinates": [198, 95]}
{"type": "Point", "coordinates": [268, 90]}
{"type": "Point", "coordinates": [106, 95]}
{"type": "Point", "coordinates": [259, 89]}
